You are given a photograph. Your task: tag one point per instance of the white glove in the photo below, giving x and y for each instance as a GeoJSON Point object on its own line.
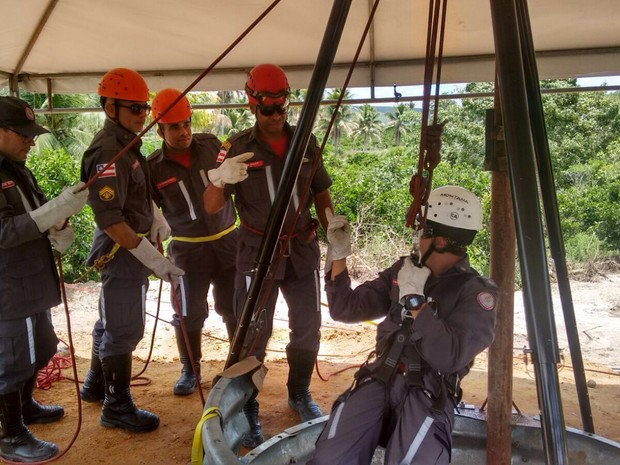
{"type": "Point", "coordinates": [61, 239]}
{"type": "Point", "coordinates": [338, 235]}
{"type": "Point", "coordinates": [68, 203]}
{"type": "Point", "coordinates": [231, 171]}
{"type": "Point", "coordinates": [151, 258]}
{"type": "Point", "coordinates": [411, 279]}
{"type": "Point", "coordinates": [160, 229]}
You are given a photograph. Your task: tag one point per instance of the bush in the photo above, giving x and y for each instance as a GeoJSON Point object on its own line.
{"type": "Point", "coordinates": [55, 170]}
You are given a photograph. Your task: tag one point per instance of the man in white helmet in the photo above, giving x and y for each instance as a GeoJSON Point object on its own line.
{"type": "Point", "coordinates": [444, 312]}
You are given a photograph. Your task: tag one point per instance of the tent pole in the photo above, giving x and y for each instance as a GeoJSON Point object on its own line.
{"type": "Point", "coordinates": [529, 231]}
{"type": "Point", "coordinates": [552, 218]}
{"type": "Point", "coordinates": [502, 271]}
{"type": "Point", "coordinates": [292, 165]}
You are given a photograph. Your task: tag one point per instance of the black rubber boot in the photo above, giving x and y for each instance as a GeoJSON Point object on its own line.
{"type": "Point", "coordinates": [186, 384]}
{"type": "Point", "coordinates": [93, 389]}
{"type": "Point", "coordinates": [17, 443]}
{"type": "Point", "coordinates": [254, 437]}
{"type": "Point", "coordinates": [300, 368]}
{"type": "Point", "coordinates": [119, 411]}
{"type": "Point", "coordinates": [34, 412]}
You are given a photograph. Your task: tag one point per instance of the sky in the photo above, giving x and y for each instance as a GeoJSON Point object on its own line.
{"type": "Point", "coordinates": [388, 92]}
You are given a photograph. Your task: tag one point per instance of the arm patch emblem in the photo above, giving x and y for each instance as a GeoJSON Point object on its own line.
{"type": "Point", "coordinates": [106, 193]}
{"type": "Point", "coordinates": [486, 300]}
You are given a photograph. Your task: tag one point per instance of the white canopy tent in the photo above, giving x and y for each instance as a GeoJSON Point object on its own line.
{"type": "Point", "coordinates": [64, 46]}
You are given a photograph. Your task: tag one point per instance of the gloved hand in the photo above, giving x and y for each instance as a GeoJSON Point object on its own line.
{"type": "Point", "coordinates": [338, 235]}
{"type": "Point", "coordinates": [68, 203]}
{"type": "Point", "coordinates": [160, 229]}
{"type": "Point", "coordinates": [61, 238]}
{"type": "Point", "coordinates": [231, 171]}
{"type": "Point", "coordinates": [151, 258]}
{"type": "Point", "coordinates": [339, 239]}
{"type": "Point", "coordinates": [411, 279]}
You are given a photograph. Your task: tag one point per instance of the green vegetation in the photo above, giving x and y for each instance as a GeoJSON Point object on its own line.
{"type": "Point", "coordinates": [371, 156]}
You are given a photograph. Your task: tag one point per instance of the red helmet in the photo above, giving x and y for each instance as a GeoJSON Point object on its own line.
{"type": "Point", "coordinates": [267, 85]}
{"type": "Point", "coordinates": [181, 110]}
{"type": "Point", "coordinates": [123, 84]}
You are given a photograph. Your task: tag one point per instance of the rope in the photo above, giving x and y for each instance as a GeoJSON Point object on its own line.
{"type": "Point", "coordinates": [429, 154]}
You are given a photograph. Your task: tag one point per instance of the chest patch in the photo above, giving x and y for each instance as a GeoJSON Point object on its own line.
{"type": "Point", "coordinates": [167, 182]}
{"type": "Point", "coordinates": [256, 164]}
{"type": "Point", "coordinates": [135, 165]}
{"type": "Point", "coordinates": [486, 300]}
{"type": "Point", "coordinates": [106, 193]}
{"type": "Point", "coordinates": [8, 184]}
{"type": "Point", "coordinates": [109, 172]}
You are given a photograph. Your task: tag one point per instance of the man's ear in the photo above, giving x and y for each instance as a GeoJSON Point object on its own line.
{"type": "Point", "coordinates": [160, 132]}
{"type": "Point", "coordinates": [253, 108]}
{"type": "Point", "coordinates": [110, 108]}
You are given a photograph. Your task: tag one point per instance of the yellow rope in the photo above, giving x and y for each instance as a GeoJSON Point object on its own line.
{"type": "Point", "coordinates": [197, 450]}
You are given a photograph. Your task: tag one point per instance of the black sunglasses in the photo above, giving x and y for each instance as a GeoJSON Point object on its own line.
{"type": "Point", "coordinates": [270, 110]}
{"type": "Point", "coordinates": [23, 136]}
{"type": "Point", "coordinates": [137, 108]}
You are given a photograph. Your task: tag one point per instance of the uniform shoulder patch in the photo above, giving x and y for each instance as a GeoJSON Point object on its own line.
{"type": "Point", "coordinates": [486, 300]}
{"type": "Point", "coordinates": [106, 193]}
{"type": "Point", "coordinates": [223, 151]}
{"type": "Point", "coordinates": [106, 171]}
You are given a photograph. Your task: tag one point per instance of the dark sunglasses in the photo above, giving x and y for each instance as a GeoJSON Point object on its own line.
{"type": "Point", "coordinates": [23, 136]}
{"type": "Point", "coordinates": [137, 108]}
{"type": "Point", "coordinates": [270, 110]}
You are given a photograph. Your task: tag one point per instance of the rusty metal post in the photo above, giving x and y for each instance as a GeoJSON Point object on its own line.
{"type": "Point", "coordinates": [502, 271]}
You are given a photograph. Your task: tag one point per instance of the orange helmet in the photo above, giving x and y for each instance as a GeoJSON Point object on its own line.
{"type": "Point", "coordinates": [267, 85]}
{"type": "Point", "coordinates": [181, 110]}
{"type": "Point", "coordinates": [123, 84]}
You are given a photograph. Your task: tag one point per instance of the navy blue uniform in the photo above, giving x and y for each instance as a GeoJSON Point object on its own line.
{"type": "Point", "coordinates": [120, 194]}
{"type": "Point", "coordinates": [414, 424]}
{"type": "Point", "coordinates": [202, 245]}
{"type": "Point", "coordinates": [29, 284]}
{"type": "Point", "coordinates": [297, 274]}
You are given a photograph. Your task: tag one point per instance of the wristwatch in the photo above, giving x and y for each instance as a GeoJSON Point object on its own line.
{"type": "Point", "coordinates": [414, 301]}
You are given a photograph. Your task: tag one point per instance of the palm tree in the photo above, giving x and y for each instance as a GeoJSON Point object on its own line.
{"type": "Point", "coordinates": [297, 96]}
{"type": "Point", "coordinates": [343, 122]}
{"type": "Point", "coordinates": [368, 124]}
{"type": "Point", "coordinates": [399, 119]}
{"type": "Point", "coordinates": [72, 132]}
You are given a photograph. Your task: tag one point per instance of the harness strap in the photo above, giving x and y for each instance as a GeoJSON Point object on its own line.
{"type": "Point", "coordinates": [101, 262]}
{"type": "Point", "coordinates": [310, 228]}
{"type": "Point", "coordinates": [212, 237]}
{"type": "Point", "coordinates": [389, 363]}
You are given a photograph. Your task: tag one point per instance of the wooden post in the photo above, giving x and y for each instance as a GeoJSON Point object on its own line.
{"type": "Point", "coordinates": [502, 271]}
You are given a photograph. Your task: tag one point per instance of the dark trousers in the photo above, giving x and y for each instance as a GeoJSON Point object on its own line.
{"type": "Point", "coordinates": [26, 346]}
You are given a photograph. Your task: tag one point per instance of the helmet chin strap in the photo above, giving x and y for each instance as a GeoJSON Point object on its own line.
{"type": "Point", "coordinates": [432, 248]}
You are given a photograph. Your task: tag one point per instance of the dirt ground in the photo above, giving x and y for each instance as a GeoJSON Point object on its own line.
{"type": "Point", "coordinates": [343, 348]}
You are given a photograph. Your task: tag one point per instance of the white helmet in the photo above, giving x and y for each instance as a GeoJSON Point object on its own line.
{"type": "Point", "coordinates": [454, 212]}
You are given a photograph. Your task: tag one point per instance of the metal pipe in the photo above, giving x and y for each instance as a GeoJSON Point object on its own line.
{"type": "Point", "coordinates": [357, 101]}
{"type": "Point", "coordinates": [292, 165]}
{"type": "Point", "coordinates": [552, 217]}
{"type": "Point", "coordinates": [529, 231]}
